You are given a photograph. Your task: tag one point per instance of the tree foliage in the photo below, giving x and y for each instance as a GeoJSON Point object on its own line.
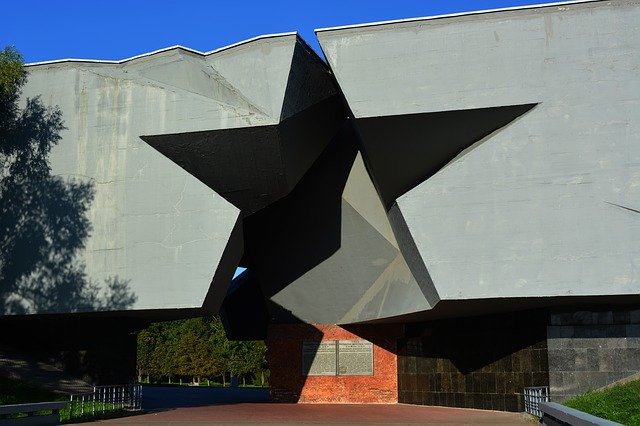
{"type": "Point", "coordinates": [197, 349]}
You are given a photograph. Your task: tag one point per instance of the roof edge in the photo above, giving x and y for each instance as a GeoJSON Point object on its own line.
{"type": "Point", "coordinates": [249, 40]}
{"type": "Point", "coordinates": [453, 15]}
{"type": "Point", "coordinates": [165, 49]}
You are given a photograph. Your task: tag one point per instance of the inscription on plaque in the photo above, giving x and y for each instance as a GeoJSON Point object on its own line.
{"type": "Point", "coordinates": [319, 358]}
{"type": "Point", "coordinates": [355, 358]}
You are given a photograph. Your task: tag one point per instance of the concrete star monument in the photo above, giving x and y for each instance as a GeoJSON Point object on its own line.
{"type": "Point", "coordinates": [451, 200]}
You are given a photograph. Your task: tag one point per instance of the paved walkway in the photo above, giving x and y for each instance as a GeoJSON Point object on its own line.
{"type": "Point", "coordinates": [18, 366]}
{"type": "Point", "coordinates": [324, 414]}
{"type": "Point", "coordinates": [156, 398]}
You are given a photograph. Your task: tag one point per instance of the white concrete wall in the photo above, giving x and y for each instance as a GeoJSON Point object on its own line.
{"type": "Point", "coordinates": [547, 206]}
{"type": "Point", "coordinates": [155, 225]}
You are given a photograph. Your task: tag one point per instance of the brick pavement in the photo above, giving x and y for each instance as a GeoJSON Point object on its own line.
{"type": "Point", "coordinates": [324, 414]}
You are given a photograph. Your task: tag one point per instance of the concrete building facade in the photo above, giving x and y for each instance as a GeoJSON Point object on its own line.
{"type": "Point", "coordinates": [444, 212]}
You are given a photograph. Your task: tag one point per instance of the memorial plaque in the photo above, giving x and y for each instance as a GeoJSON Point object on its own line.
{"type": "Point", "coordinates": [355, 358]}
{"type": "Point", "coordinates": [319, 358]}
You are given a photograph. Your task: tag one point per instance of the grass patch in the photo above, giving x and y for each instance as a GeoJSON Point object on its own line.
{"type": "Point", "coordinates": [620, 403]}
{"type": "Point", "coordinates": [91, 411]}
{"type": "Point", "coordinates": [16, 392]}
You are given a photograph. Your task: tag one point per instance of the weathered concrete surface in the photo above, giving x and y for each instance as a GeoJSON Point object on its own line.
{"type": "Point", "coordinates": [544, 206]}
{"type": "Point", "coordinates": [157, 227]}
{"type": "Point", "coordinates": [255, 165]}
{"type": "Point", "coordinates": [500, 158]}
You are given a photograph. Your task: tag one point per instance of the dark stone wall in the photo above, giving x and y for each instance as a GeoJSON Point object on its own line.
{"type": "Point", "coordinates": [98, 350]}
{"type": "Point", "coordinates": [589, 349]}
{"type": "Point", "coordinates": [480, 363]}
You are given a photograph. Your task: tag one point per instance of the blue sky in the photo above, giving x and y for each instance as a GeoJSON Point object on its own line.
{"type": "Point", "coordinates": [115, 29]}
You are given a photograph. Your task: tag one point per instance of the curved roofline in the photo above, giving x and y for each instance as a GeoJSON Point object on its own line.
{"type": "Point", "coordinates": [166, 49]}
{"type": "Point", "coordinates": [453, 15]}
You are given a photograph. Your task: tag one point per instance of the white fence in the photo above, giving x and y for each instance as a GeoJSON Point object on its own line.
{"type": "Point", "coordinates": [534, 396]}
{"type": "Point", "coordinates": [106, 399]}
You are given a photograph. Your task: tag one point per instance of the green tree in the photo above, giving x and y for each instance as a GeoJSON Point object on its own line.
{"type": "Point", "coordinates": [12, 78]}
{"type": "Point", "coordinates": [247, 358]}
{"type": "Point", "coordinates": [204, 359]}
{"type": "Point", "coordinates": [198, 348]}
{"type": "Point", "coordinates": [190, 357]}
{"type": "Point", "coordinates": [221, 350]}
{"type": "Point", "coordinates": [257, 360]}
{"type": "Point", "coordinates": [164, 352]}
{"type": "Point", "coordinates": [145, 360]}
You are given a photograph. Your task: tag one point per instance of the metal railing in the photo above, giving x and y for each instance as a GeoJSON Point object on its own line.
{"type": "Point", "coordinates": [533, 396]}
{"type": "Point", "coordinates": [105, 399]}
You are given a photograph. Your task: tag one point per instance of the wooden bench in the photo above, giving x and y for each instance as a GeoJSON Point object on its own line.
{"type": "Point", "coordinates": [31, 410]}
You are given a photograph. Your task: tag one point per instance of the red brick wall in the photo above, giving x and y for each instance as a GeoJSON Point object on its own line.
{"type": "Point", "coordinates": [284, 356]}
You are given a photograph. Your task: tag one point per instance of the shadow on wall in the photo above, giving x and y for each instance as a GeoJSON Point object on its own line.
{"type": "Point", "coordinates": [477, 362]}
{"type": "Point", "coordinates": [287, 380]}
{"type": "Point", "coordinates": [471, 346]}
{"type": "Point", "coordinates": [43, 218]}
{"type": "Point", "coordinates": [293, 235]}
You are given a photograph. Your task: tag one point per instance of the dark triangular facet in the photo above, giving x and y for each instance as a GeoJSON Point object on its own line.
{"type": "Point", "coordinates": [243, 311]}
{"type": "Point", "coordinates": [252, 167]}
{"type": "Point", "coordinates": [243, 165]}
{"type": "Point", "coordinates": [309, 81]}
{"type": "Point", "coordinates": [402, 151]}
